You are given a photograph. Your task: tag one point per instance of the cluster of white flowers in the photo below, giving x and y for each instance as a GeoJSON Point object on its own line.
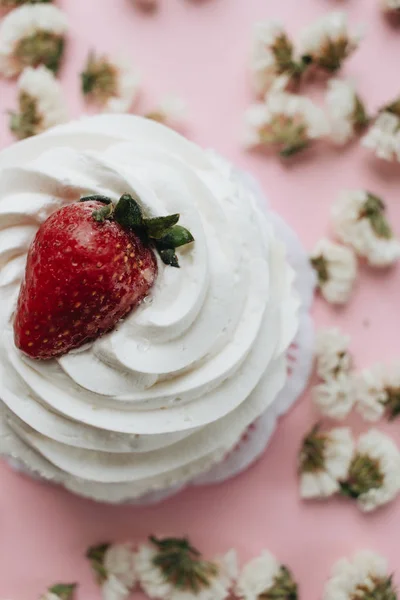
{"type": "Point", "coordinates": [368, 471]}
{"type": "Point", "coordinates": [171, 112]}
{"type": "Point", "coordinates": [41, 103]}
{"type": "Point", "coordinates": [285, 121]}
{"type": "Point", "coordinates": [373, 392]}
{"type": "Point", "coordinates": [378, 392]}
{"type": "Point", "coordinates": [325, 44]}
{"type": "Point", "coordinates": [324, 461]}
{"type": "Point", "coordinates": [336, 268]}
{"type": "Point", "coordinates": [32, 35]}
{"type": "Point", "coordinates": [265, 577]}
{"type": "Point", "coordinates": [347, 112]}
{"type": "Point", "coordinates": [374, 474]}
{"type": "Point", "coordinates": [110, 83]}
{"type": "Point", "coordinates": [328, 41]}
{"type": "Point", "coordinates": [364, 577]}
{"type": "Point", "coordinates": [383, 136]}
{"type": "Point", "coordinates": [359, 220]}
{"type": "Point", "coordinates": [335, 395]}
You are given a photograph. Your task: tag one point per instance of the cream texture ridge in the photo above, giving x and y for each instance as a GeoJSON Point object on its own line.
{"type": "Point", "coordinates": [171, 390]}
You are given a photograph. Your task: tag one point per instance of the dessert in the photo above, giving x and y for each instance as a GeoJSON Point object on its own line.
{"type": "Point", "coordinates": [170, 390]}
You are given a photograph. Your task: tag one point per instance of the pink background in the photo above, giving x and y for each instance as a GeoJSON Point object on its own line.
{"type": "Point", "coordinates": [199, 50]}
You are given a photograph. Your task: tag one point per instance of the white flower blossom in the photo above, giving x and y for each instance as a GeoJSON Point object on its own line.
{"type": "Point", "coordinates": [336, 268]}
{"type": "Point", "coordinates": [374, 474]}
{"type": "Point", "coordinates": [215, 582]}
{"type": "Point", "coordinates": [114, 567]}
{"type": "Point", "coordinates": [391, 5]}
{"type": "Point", "coordinates": [285, 121]}
{"type": "Point", "coordinates": [332, 352]}
{"type": "Point", "coordinates": [114, 589]}
{"type": "Point", "coordinates": [364, 577]}
{"type": "Point", "coordinates": [146, 4]}
{"type": "Point", "coordinates": [263, 576]}
{"type": "Point", "coordinates": [378, 392]}
{"type": "Point", "coordinates": [31, 35]}
{"type": "Point", "coordinates": [346, 110]}
{"type": "Point", "coordinates": [328, 41]}
{"type": "Point", "coordinates": [370, 393]}
{"type": "Point", "coordinates": [112, 84]}
{"type": "Point", "coordinates": [171, 111]}
{"type": "Point", "coordinates": [335, 396]}
{"type": "Point", "coordinates": [41, 103]}
{"type": "Point", "coordinates": [359, 220]}
{"type": "Point", "coordinates": [383, 137]}
{"type": "Point", "coordinates": [272, 56]}
{"type": "Point", "coordinates": [119, 562]}
{"type": "Point", "coordinates": [324, 461]}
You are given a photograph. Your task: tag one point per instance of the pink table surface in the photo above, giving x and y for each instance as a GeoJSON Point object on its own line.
{"type": "Point", "coordinates": [199, 50]}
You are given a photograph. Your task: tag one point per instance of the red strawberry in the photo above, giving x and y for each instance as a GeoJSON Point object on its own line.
{"type": "Point", "coordinates": [82, 277]}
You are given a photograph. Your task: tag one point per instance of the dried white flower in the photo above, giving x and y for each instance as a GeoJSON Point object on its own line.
{"type": "Point", "coordinates": [119, 561]}
{"type": "Point", "coordinates": [30, 36]}
{"type": "Point", "coordinates": [171, 111]}
{"type": "Point", "coordinates": [335, 396]}
{"type": "Point", "coordinates": [346, 109]}
{"type": "Point", "coordinates": [114, 589]}
{"type": "Point", "coordinates": [328, 42]}
{"type": "Point", "coordinates": [332, 353]}
{"type": "Point", "coordinates": [265, 577]}
{"type": "Point", "coordinates": [373, 478]}
{"type": "Point", "coordinates": [187, 575]}
{"type": "Point", "coordinates": [60, 591]}
{"type": "Point", "coordinates": [336, 268]}
{"type": "Point", "coordinates": [110, 83]}
{"type": "Point", "coordinates": [16, 3]}
{"type": "Point", "coordinates": [364, 577]}
{"type": "Point", "coordinates": [359, 220]}
{"type": "Point", "coordinates": [149, 5]}
{"type": "Point", "coordinates": [272, 56]}
{"type": "Point", "coordinates": [114, 567]}
{"type": "Point", "coordinates": [287, 122]}
{"type": "Point", "coordinates": [391, 5]}
{"type": "Point", "coordinates": [324, 461]}
{"type": "Point", "coordinates": [383, 136]}
{"type": "Point", "coordinates": [378, 392]}
{"type": "Point", "coordinates": [41, 103]}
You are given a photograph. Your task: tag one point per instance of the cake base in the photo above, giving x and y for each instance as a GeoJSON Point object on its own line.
{"type": "Point", "coordinates": [300, 357]}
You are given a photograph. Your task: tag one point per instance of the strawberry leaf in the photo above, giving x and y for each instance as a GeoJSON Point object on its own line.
{"type": "Point", "coordinates": [128, 213]}
{"type": "Point", "coordinates": [158, 226]}
{"type": "Point", "coordinates": [169, 257]}
{"type": "Point", "coordinates": [176, 236]}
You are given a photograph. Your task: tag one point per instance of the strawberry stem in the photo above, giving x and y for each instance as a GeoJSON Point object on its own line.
{"type": "Point", "coordinates": [162, 232]}
{"type": "Point", "coordinates": [106, 212]}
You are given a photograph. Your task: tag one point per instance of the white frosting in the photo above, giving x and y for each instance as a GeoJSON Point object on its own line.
{"type": "Point", "coordinates": [170, 391]}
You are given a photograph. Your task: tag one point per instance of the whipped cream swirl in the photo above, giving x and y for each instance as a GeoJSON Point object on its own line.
{"type": "Point", "coordinates": [170, 391]}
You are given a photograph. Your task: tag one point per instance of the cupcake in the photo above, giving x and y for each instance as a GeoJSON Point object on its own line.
{"type": "Point", "coordinates": [155, 385]}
